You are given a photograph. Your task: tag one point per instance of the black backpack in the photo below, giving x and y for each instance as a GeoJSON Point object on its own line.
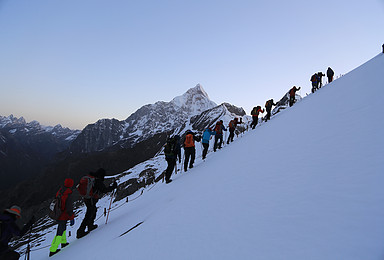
{"type": "Point", "coordinates": [169, 148]}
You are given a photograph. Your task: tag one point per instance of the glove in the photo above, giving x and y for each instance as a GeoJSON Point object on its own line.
{"type": "Point", "coordinates": [72, 222]}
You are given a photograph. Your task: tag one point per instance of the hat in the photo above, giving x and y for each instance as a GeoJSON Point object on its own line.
{"type": "Point", "coordinates": [16, 210]}
{"type": "Point", "coordinates": [68, 183]}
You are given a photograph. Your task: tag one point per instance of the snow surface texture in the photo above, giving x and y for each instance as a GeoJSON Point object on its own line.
{"type": "Point", "coordinates": [267, 195]}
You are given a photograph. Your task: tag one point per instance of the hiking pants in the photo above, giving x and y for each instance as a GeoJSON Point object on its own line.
{"type": "Point", "coordinates": [205, 151]}
{"type": "Point", "coordinates": [255, 120]}
{"type": "Point", "coordinates": [291, 100]}
{"type": "Point", "coordinates": [189, 153]}
{"type": "Point", "coordinates": [90, 214]}
{"type": "Point", "coordinates": [268, 117]}
{"type": "Point", "coordinates": [171, 166]}
{"type": "Point", "coordinates": [61, 227]}
{"type": "Point", "coordinates": [231, 135]}
{"type": "Point", "coordinates": [330, 79]}
{"type": "Point", "coordinates": [218, 141]}
{"type": "Point", "coordinates": [61, 236]}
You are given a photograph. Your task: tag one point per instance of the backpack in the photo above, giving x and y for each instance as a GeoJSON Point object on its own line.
{"type": "Point", "coordinates": [85, 186]}
{"type": "Point", "coordinates": [189, 141]}
{"type": "Point", "coordinates": [55, 210]}
{"type": "Point", "coordinates": [314, 78]}
{"type": "Point", "coordinates": [169, 148]}
{"type": "Point", "coordinates": [231, 124]}
{"type": "Point", "coordinates": [218, 129]}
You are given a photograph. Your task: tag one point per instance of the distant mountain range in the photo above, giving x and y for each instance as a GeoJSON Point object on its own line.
{"type": "Point", "coordinates": [25, 148]}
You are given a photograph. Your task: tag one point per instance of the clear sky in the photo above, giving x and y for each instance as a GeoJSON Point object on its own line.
{"type": "Point", "coordinates": [76, 61]}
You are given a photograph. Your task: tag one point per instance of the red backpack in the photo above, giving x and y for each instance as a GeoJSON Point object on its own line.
{"type": "Point", "coordinates": [218, 129]}
{"type": "Point", "coordinates": [232, 124]}
{"type": "Point", "coordinates": [189, 141]}
{"type": "Point", "coordinates": [85, 186]}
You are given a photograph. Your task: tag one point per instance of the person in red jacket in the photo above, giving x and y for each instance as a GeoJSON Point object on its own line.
{"type": "Point", "coordinates": [67, 214]}
{"type": "Point", "coordinates": [255, 115]}
{"type": "Point", "coordinates": [232, 127]}
{"type": "Point", "coordinates": [292, 95]}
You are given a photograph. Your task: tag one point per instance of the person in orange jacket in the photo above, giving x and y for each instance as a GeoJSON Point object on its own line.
{"type": "Point", "coordinates": [67, 214]}
{"type": "Point", "coordinates": [255, 116]}
{"type": "Point", "coordinates": [189, 149]}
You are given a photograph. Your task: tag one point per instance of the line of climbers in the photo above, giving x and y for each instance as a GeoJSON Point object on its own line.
{"type": "Point", "coordinates": [317, 79]}
{"type": "Point", "coordinates": [92, 187]}
{"type": "Point", "coordinates": [172, 148]}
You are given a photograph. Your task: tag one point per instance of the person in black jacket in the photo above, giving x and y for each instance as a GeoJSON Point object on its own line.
{"type": "Point", "coordinates": [268, 108]}
{"type": "Point", "coordinates": [98, 189]}
{"type": "Point", "coordinates": [320, 76]}
{"type": "Point", "coordinates": [171, 152]}
{"type": "Point", "coordinates": [9, 229]}
{"type": "Point", "coordinates": [330, 74]}
{"type": "Point", "coordinates": [178, 147]}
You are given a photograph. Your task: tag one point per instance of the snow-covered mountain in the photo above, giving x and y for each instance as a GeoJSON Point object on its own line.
{"type": "Point", "coordinates": [170, 117]}
{"type": "Point", "coordinates": [18, 125]}
{"type": "Point", "coordinates": [305, 185]}
{"type": "Point", "coordinates": [25, 148]}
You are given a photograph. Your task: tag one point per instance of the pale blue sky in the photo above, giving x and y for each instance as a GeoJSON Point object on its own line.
{"type": "Point", "coordinates": [76, 61]}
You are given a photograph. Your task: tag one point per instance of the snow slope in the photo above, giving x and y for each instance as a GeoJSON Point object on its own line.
{"type": "Point", "coordinates": [306, 185]}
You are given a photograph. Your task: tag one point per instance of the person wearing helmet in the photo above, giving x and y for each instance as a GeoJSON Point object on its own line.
{"type": "Point", "coordinates": [10, 229]}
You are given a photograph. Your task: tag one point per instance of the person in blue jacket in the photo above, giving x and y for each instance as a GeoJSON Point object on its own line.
{"type": "Point", "coordinates": [206, 137]}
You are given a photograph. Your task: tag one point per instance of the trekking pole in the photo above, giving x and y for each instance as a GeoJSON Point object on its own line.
{"type": "Point", "coordinates": [176, 166]}
{"type": "Point", "coordinates": [110, 204]}
{"type": "Point", "coordinates": [28, 253]}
